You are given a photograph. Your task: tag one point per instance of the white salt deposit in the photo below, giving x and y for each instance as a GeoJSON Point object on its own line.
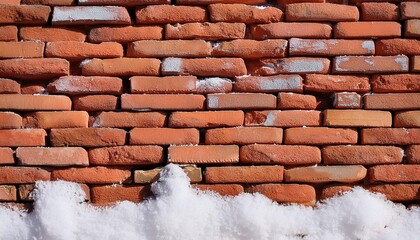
{"type": "Point", "coordinates": [403, 60]}
{"type": "Point", "coordinates": [85, 13]}
{"type": "Point", "coordinates": [180, 212]}
{"type": "Point", "coordinates": [369, 45]}
{"type": "Point", "coordinates": [172, 65]}
{"type": "Point", "coordinates": [338, 61]}
{"type": "Point", "coordinates": [304, 66]}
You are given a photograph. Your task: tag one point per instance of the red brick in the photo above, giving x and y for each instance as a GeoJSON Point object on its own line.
{"type": "Point", "coordinates": [320, 136]}
{"type": "Point", "coordinates": [277, 83]}
{"type": "Point", "coordinates": [206, 119]}
{"type": "Point", "coordinates": [372, 11]}
{"type": "Point", "coordinates": [34, 69]}
{"type": "Point", "coordinates": [279, 154]}
{"type": "Point", "coordinates": [126, 155]}
{"type": "Point", "coordinates": [170, 84]}
{"type": "Point", "coordinates": [412, 28]}
{"type": "Point", "coordinates": [296, 101]}
{"type": "Point", "coordinates": [244, 174]}
{"type": "Point", "coordinates": [164, 136]}
{"type": "Point", "coordinates": [366, 155]}
{"type": "Point", "coordinates": [24, 14]}
{"type": "Point", "coordinates": [95, 103]}
{"type": "Point", "coordinates": [277, 118]}
{"type": "Point", "coordinates": [347, 100]}
{"type": "Point", "coordinates": [20, 175]}
{"type": "Point", "coordinates": [48, 120]}
{"type": "Point", "coordinates": [48, 2]}
{"type": "Point", "coordinates": [10, 120]}
{"type": "Point", "coordinates": [396, 83]}
{"type": "Point", "coordinates": [9, 86]}
{"type": "Point", "coordinates": [214, 85]}
{"type": "Point", "coordinates": [393, 101]}
{"type": "Point", "coordinates": [289, 30]}
{"type": "Point", "coordinates": [34, 88]}
{"type": "Point", "coordinates": [271, 66]}
{"type": "Point", "coordinates": [394, 173]}
{"type": "Point", "coordinates": [162, 102]}
{"type": "Point", "coordinates": [357, 118]}
{"type": "Point", "coordinates": [25, 191]}
{"type": "Point", "coordinates": [8, 193]}
{"type": "Point", "coordinates": [397, 192]}
{"type": "Point", "coordinates": [336, 83]}
{"type": "Point", "coordinates": [413, 154]}
{"type": "Point", "coordinates": [111, 194]}
{"type": "Point", "coordinates": [21, 50]}
{"type": "Point", "coordinates": [121, 67]}
{"type": "Point", "coordinates": [333, 190]}
{"type": "Point", "coordinates": [64, 156]}
{"type": "Point", "coordinates": [206, 2]}
{"type": "Point", "coordinates": [77, 15]}
{"type": "Point", "coordinates": [87, 137]}
{"type": "Point", "coordinates": [415, 67]}
{"type": "Point", "coordinates": [330, 47]}
{"type": "Point", "coordinates": [76, 51]}
{"type": "Point", "coordinates": [244, 13]}
{"type": "Point", "coordinates": [79, 85]}
{"type": "Point", "coordinates": [241, 101]}
{"type": "Point", "coordinates": [367, 30]}
{"type": "Point", "coordinates": [128, 3]}
{"type": "Point", "coordinates": [93, 175]}
{"type": "Point", "coordinates": [130, 119]}
{"type": "Point", "coordinates": [323, 174]}
{"type": "Point", "coordinates": [125, 34]}
{"type": "Point", "coordinates": [204, 67]}
{"type": "Point", "coordinates": [222, 189]}
{"type": "Point", "coordinates": [51, 34]}
{"type": "Point", "coordinates": [407, 119]}
{"type": "Point", "coordinates": [244, 135]}
{"type": "Point", "coordinates": [8, 33]}
{"type": "Point", "coordinates": [6, 156]}
{"type": "Point", "coordinates": [390, 136]}
{"type": "Point", "coordinates": [34, 102]}
{"type": "Point", "coordinates": [169, 48]}
{"type": "Point", "coordinates": [158, 14]}
{"type": "Point", "coordinates": [319, 12]}
{"type": "Point", "coordinates": [205, 31]}
{"type": "Point", "coordinates": [370, 64]}
{"type": "Point", "coordinates": [286, 193]}
{"type": "Point", "coordinates": [410, 10]}
{"type": "Point", "coordinates": [398, 46]}
{"type": "Point", "coordinates": [203, 154]}
{"type": "Point", "coordinates": [248, 48]}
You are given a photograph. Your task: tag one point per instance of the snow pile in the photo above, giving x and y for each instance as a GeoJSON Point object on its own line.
{"type": "Point", "coordinates": [181, 212]}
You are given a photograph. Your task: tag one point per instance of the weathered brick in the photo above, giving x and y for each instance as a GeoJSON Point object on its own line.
{"type": "Point", "coordinates": [130, 119]}
{"type": "Point", "coordinates": [320, 136]}
{"type": "Point", "coordinates": [121, 67]}
{"type": "Point", "coordinates": [410, 10]}
{"type": "Point", "coordinates": [159, 14]}
{"type": "Point", "coordinates": [48, 2]}
{"type": "Point", "coordinates": [323, 174]}
{"type": "Point", "coordinates": [277, 118]}
{"type": "Point", "coordinates": [207, 2]}
{"type": "Point", "coordinates": [248, 48]}
{"type": "Point", "coordinates": [51, 34]}
{"type": "Point", "coordinates": [244, 174]}
{"type": "Point", "coordinates": [22, 137]}
{"type": "Point", "coordinates": [286, 193]}
{"type": "Point", "coordinates": [11, 2]}
{"type": "Point", "coordinates": [244, 135]}
{"type": "Point", "coordinates": [393, 101]}
{"type": "Point", "coordinates": [289, 30]}
{"type": "Point", "coordinates": [21, 175]}
{"type": "Point", "coordinates": [79, 85]}
{"type": "Point", "coordinates": [162, 101]}
{"type": "Point", "coordinates": [397, 192]}
{"type": "Point", "coordinates": [125, 34]}
{"type": "Point", "coordinates": [271, 66]}
{"type": "Point", "coordinates": [87, 137]}
{"type": "Point", "coordinates": [373, 11]}
{"type": "Point", "coordinates": [127, 3]}
{"type": "Point", "coordinates": [357, 118]}
{"type": "Point", "coordinates": [394, 173]}
{"type": "Point", "coordinates": [169, 48]}
{"type": "Point", "coordinates": [105, 195]}
{"type": "Point", "coordinates": [95, 103]}
{"type": "Point", "coordinates": [34, 102]}
{"type": "Point", "coordinates": [206, 119]}
{"type": "Point", "coordinates": [203, 154]}
{"type": "Point", "coordinates": [77, 15]}
{"type": "Point", "coordinates": [319, 12]}
{"type": "Point", "coordinates": [34, 69]}
{"type": "Point", "coordinates": [366, 155]}
{"type": "Point", "coordinates": [8, 193]}
{"type": "Point", "coordinates": [330, 47]}
{"type": "Point", "coordinates": [35, 88]}
{"type": "Point", "coordinates": [149, 176]}
{"type": "Point", "coordinates": [222, 189]}
{"type": "Point", "coordinates": [244, 13]}
{"type": "Point", "coordinates": [397, 46]}
{"type": "Point", "coordinates": [370, 64]}
{"type": "Point", "coordinates": [164, 136]}
{"type": "Point", "coordinates": [8, 33]}
{"type": "Point", "coordinates": [25, 191]}
{"type": "Point", "coordinates": [10, 120]}
{"type": "Point", "coordinates": [21, 50]}
{"type": "Point", "coordinates": [24, 14]}
{"type": "Point", "coordinates": [396, 83]}
{"type": "Point", "coordinates": [48, 120]}
{"type": "Point", "coordinates": [390, 136]}
{"type": "Point", "coordinates": [61, 156]}
{"type": "Point", "coordinates": [347, 100]}
{"type": "Point", "coordinates": [412, 28]}
{"type": "Point", "coordinates": [93, 175]}
{"type": "Point", "coordinates": [415, 67]}
{"type": "Point", "coordinates": [126, 155]}
{"type": "Point", "coordinates": [407, 119]}
{"type": "Point", "coordinates": [205, 31]}
{"type": "Point", "coordinates": [76, 51]}
{"type": "Point", "coordinates": [9, 86]}
{"type": "Point", "coordinates": [367, 29]}
{"type": "Point", "coordinates": [204, 67]}
{"type": "Point", "coordinates": [334, 190]}
{"type": "Point", "coordinates": [6, 156]}
{"type": "Point", "coordinates": [214, 85]}
{"type": "Point", "coordinates": [336, 83]}
{"type": "Point", "coordinates": [241, 101]}
{"type": "Point", "coordinates": [413, 154]}
{"type": "Point", "coordinates": [296, 101]}
{"type": "Point", "coordinates": [277, 83]}
{"type": "Point", "coordinates": [170, 84]}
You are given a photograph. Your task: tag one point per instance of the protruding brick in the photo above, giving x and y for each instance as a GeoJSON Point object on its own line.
{"type": "Point", "coordinates": [34, 102]}
{"type": "Point", "coordinates": [286, 193]}
{"type": "Point", "coordinates": [413, 154]}
{"type": "Point", "coordinates": [6, 156]}
{"type": "Point", "coordinates": [170, 84]}
{"type": "Point", "coordinates": [164, 136]}
{"type": "Point", "coordinates": [126, 155]}
{"type": "Point", "coordinates": [76, 51]}
{"type": "Point", "coordinates": [87, 137]}
{"type": "Point", "coordinates": [8, 33]}
{"type": "Point", "coordinates": [277, 83]}
{"type": "Point", "coordinates": [8, 193]}
{"type": "Point", "coordinates": [149, 176]}
{"type": "Point", "coordinates": [357, 118]}
{"type": "Point", "coordinates": [206, 119]}
{"type": "Point", "coordinates": [128, 3]}
{"type": "Point", "coordinates": [21, 175]}
{"type": "Point", "coordinates": [289, 30]}
{"type": "Point", "coordinates": [398, 46]}
{"type": "Point", "coordinates": [205, 31]}
{"type": "Point", "coordinates": [10, 120]}
{"type": "Point", "coordinates": [296, 101]}
{"type": "Point", "coordinates": [204, 154]}
{"type": "Point", "coordinates": [244, 135]}
{"type": "Point", "coordinates": [121, 67]}
{"type": "Point", "coordinates": [94, 103]}
{"type": "Point", "coordinates": [347, 100]}
{"type": "Point", "coordinates": [412, 28]}
{"type": "Point", "coordinates": [396, 83]}
{"type": "Point", "coordinates": [214, 85]}
{"type": "Point", "coordinates": [204, 67]}
{"type": "Point", "coordinates": [367, 30]}
{"type": "Point", "coordinates": [277, 118]}
{"type": "Point", "coordinates": [22, 137]}
{"type": "Point", "coordinates": [129, 119]}
{"type": "Point", "coordinates": [241, 101]}
{"type": "Point", "coordinates": [320, 136]}
{"type": "Point", "coordinates": [393, 101]}
{"type": "Point", "coordinates": [169, 48]}
{"type": "Point", "coordinates": [318, 12]}
{"type": "Point", "coordinates": [21, 50]}
{"type": "Point", "coordinates": [330, 47]}
{"type": "Point", "coordinates": [410, 10]}
{"type": "Point", "coordinates": [9, 86]}
{"type": "Point", "coordinates": [248, 48]}
{"type": "Point", "coordinates": [394, 173]}
{"type": "Point", "coordinates": [271, 66]}
{"type": "Point", "coordinates": [373, 11]}
{"type": "Point", "coordinates": [336, 83]}
{"type": "Point", "coordinates": [397, 192]}
{"type": "Point", "coordinates": [222, 189]}
{"type": "Point", "coordinates": [244, 13]}
{"type": "Point", "coordinates": [207, 2]}
{"type": "Point", "coordinates": [125, 34]}
{"type": "Point", "coordinates": [62, 156]}
{"type": "Point", "coordinates": [93, 175]}
{"type": "Point", "coordinates": [370, 64]}
{"type": "Point", "coordinates": [90, 15]}
{"type": "Point", "coordinates": [323, 174]}
{"type": "Point", "coordinates": [105, 195]}
{"type": "Point", "coordinates": [24, 14]}
{"type": "Point", "coordinates": [25, 191]}
{"type": "Point", "coordinates": [366, 155]}
{"type": "Point", "coordinates": [334, 190]}
{"type": "Point", "coordinates": [79, 85]}
{"type": "Point", "coordinates": [34, 69]}
{"type": "Point", "coordinates": [244, 174]}
{"type": "Point", "coordinates": [162, 101]}
{"type": "Point", "coordinates": [407, 119]}
{"type": "Point", "coordinates": [51, 34]}
{"type": "Point", "coordinates": [159, 14]}
{"type": "Point", "coordinates": [390, 136]}
{"type": "Point", "coordinates": [48, 120]}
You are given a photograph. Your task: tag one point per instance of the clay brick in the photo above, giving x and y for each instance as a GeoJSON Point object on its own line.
{"type": "Point", "coordinates": [415, 67]}
{"type": "Point", "coordinates": [214, 85]}
{"type": "Point", "coordinates": [126, 155]}
{"type": "Point", "coordinates": [95, 103]}
{"type": "Point", "coordinates": [277, 83]}
{"type": "Point", "coordinates": [9, 86]}
{"type": "Point", "coordinates": [21, 175]}
{"type": "Point", "coordinates": [34, 88]}
{"type": "Point", "coordinates": [302, 65]}
{"type": "Point", "coordinates": [241, 101]}
{"type": "Point", "coordinates": [24, 14]}
{"type": "Point", "coordinates": [207, 2]}
{"type": "Point", "coordinates": [21, 50]}
{"type": "Point", "coordinates": [323, 174]}
{"type": "Point", "coordinates": [367, 30]}
{"type": "Point", "coordinates": [347, 100]}
{"type": "Point", "coordinates": [244, 174]}
{"type": "Point", "coordinates": [397, 46]}
{"type": "Point", "coordinates": [396, 83]}
{"type": "Point", "coordinates": [407, 119]}
{"type": "Point", "coordinates": [222, 189]}
{"type": "Point", "coordinates": [48, 2]}
{"type": "Point", "coordinates": [333, 190]}
{"type": "Point", "coordinates": [319, 12]}
{"type": "Point", "coordinates": [248, 48]}
{"type": "Point", "coordinates": [390, 136]}
{"type": "Point", "coordinates": [79, 85]}
{"type": "Point", "coordinates": [413, 154]}
{"type": "Point", "coordinates": [370, 64]}
{"type": "Point", "coordinates": [206, 119]}
{"type": "Point", "coordinates": [34, 102]}
{"type": "Point", "coordinates": [162, 101]}
{"type": "Point", "coordinates": [279, 154]}
{"type": "Point", "coordinates": [244, 13]}
{"type": "Point", "coordinates": [336, 83]}
{"type": "Point", "coordinates": [77, 15]}
{"type": "Point", "coordinates": [203, 154]}
{"type": "Point", "coordinates": [169, 48]}
{"type": "Point", "coordinates": [51, 34]}
{"type": "Point", "coordinates": [25, 191]}
{"type": "Point", "coordinates": [62, 156]}
{"type": "Point", "coordinates": [170, 84]}
{"type": "Point", "coordinates": [410, 10]}
{"type": "Point", "coordinates": [8, 193]}
{"type": "Point", "coordinates": [412, 28]}
{"type": "Point", "coordinates": [277, 118]}
{"type": "Point", "coordinates": [127, 3]}
{"type": "Point", "coordinates": [125, 34]}
{"type": "Point", "coordinates": [149, 176]}
{"type": "Point", "coordinates": [6, 156]}
{"type": "Point", "coordinates": [76, 51]}
{"type": "Point", "coordinates": [244, 135]}
{"type": "Point", "coordinates": [164, 136]}
{"type": "Point", "coordinates": [372, 11]}
{"type": "Point", "coordinates": [320, 136]}
{"type": "Point", "coordinates": [34, 69]}
{"type": "Point", "coordinates": [10, 120]}
{"type": "Point", "coordinates": [130, 119]}
{"type": "Point", "coordinates": [330, 47]}
{"type": "Point", "coordinates": [87, 137]}
{"type": "Point", "coordinates": [204, 67]}
{"type": "Point", "coordinates": [159, 14]}
{"type": "Point", "coordinates": [357, 118]}
{"type": "Point", "coordinates": [289, 30]}
{"type": "Point", "coordinates": [48, 120]}
{"type": "Point", "coordinates": [366, 155]}
{"type": "Point", "coordinates": [92, 175]}
{"type": "Point", "coordinates": [105, 195]}
{"type": "Point", "coordinates": [286, 193]}
{"type": "Point", "coordinates": [397, 192]}
{"type": "Point", "coordinates": [394, 173]}
{"type": "Point", "coordinates": [121, 67]}
{"type": "Point", "coordinates": [205, 31]}
{"type": "Point", "coordinates": [296, 101]}
{"type": "Point", "coordinates": [10, 2]}
{"type": "Point", "coordinates": [8, 33]}
{"type": "Point", "coordinates": [393, 101]}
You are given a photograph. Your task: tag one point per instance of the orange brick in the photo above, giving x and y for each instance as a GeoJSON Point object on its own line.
{"type": "Point", "coordinates": [164, 136]}
{"type": "Point", "coordinates": [48, 120]}
{"type": "Point", "coordinates": [10, 120]}
{"type": "Point", "coordinates": [248, 48]}
{"type": "Point", "coordinates": [206, 119]}
{"type": "Point", "coordinates": [205, 31]}
{"type": "Point", "coordinates": [323, 174]}
{"type": "Point", "coordinates": [9, 86]}
{"type": "Point", "coordinates": [51, 34]}
{"type": "Point", "coordinates": [130, 119]}
{"type": "Point", "coordinates": [413, 154]}
{"type": "Point", "coordinates": [162, 102]}
{"type": "Point", "coordinates": [21, 50]}
{"type": "Point", "coordinates": [244, 135]}
{"type": "Point", "coordinates": [222, 189]}
{"type": "Point", "coordinates": [158, 14]}
{"type": "Point", "coordinates": [407, 119]}
{"type": "Point", "coordinates": [244, 174]}
{"type": "Point", "coordinates": [334, 190]}
{"type": "Point", "coordinates": [279, 154]}
{"type": "Point", "coordinates": [415, 67]}
{"type": "Point", "coordinates": [397, 192]}
{"type": "Point", "coordinates": [76, 51]}
{"type": "Point", "coordinates": [319, 12]}
{"type": "Point", "coordinates": [277, 83]}
{"type": "Point", "coordinates": [347, 100]}
{"type": "Point", "coordinates": [336, 83]}
{"type": "Point", "coordinates": [393, 101]}
{"type": "Point", "coordinates": [24, 14]}
{"type": "Point", "coordinates": [289, 30]}
{"type": "Point", "coordinates": [394, 173]}
{"type": "Point", "coordinates": [214, 85]}
{"type": "Point", "coordinates": [79, 85]}
{"type": "Point", "coordinates": [95, 15]}
{"type": "Point", "coordinates": [169, 48]}
{"type": "Point", "coordinates": [286, 193]}
{"type": "Point", "coordinates": [87, 137]}
{"type": "Point", "coordinates": [35, 88]}
{"type": "Point", "coordinates": [111, 194]}
{"type": "Point", "coordinates": [128, 3]}
{"type": "Point", "coordinates": [330, 47]}
{"type": "Point", "coordinates": [170, 84]}
{"type": "Point", "coordinates": [34, 102]}
{"type": "Point", "coordinates": [21, 175]}
{"type": "Point", "coordinates": [8, 193]}
{"type": "Point", "coordinates": [34, 69]}
{"type": "Point", "coordinates": [367, 30]}
{"type": "Point", "coordinates": [8, 33]}
{"type": "Point", "coordinates": [357, 118]}
{"type": "Point", "coordinates": [396, 83]}
{"type": "Point", "coordinates": [271, 66]}
{"type": "Point", "coordinates": [241, 101]}
{"type": "Point", "coordinates": [25, 191]}
{"type": "Point", "coordinates": [206, 2]}
{"type": "Point", "coordinates": [203, 154]}
{"type": "Point", "coordinates": [320, 136]}
{"type": "Point", "coordinates": [126, 155]}
{"type": "Point", "coordinates": [398, 46]}
{"type": "Point", "coordinates": [48, 2]}
{"type": "Point", "coordinates": [366, 155]}
{"type": "Point", "coordinates": [296, 101]}
{"type": "Point", "coordinates": [6, 156]}
{"type": "Point", "coordinates": [204, 67]}
{"type": "Point", "coordinates": [244, 13]}
{"type": "Point", "coordinates": [390, 136]}
{"type": "Point", "coordinates": [370, 64]}
{"type": "Point", "coordinates": [412, 28]}
{"type": "Point", "coordinates": [410, 10]}
{"type": "Point", "coordinates": [95, 103]}
{"type": "Point", "coordinates": [125, 34]}
{"type": "Point", "coordinates": [64, 156]}
{"type": "Point", "coordinates": [121, 67]}
{"type": "Point", "coordinates": [93, 175]}
{"type": "Point", "coordinates": [277, 118]}
{"type": "Point", "coordinates": [372, 11]}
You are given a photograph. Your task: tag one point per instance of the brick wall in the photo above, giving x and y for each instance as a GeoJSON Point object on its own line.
{"type": "Point", "coordinates": [297, 101]}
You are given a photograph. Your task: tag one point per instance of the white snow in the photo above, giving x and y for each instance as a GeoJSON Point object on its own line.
{"type": "Point", "coordinates": [172, 65]}
{"type": "Point", "coordinates": [180, 212]}
{"type": "Point", "coordinates": [214, 84]}
{"type": "Point", "coordinates": [291, 82]}
{"type": "Point", "coordinates": [369, 45]}
{"type": "Point", "coordinates": [85, 13]}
